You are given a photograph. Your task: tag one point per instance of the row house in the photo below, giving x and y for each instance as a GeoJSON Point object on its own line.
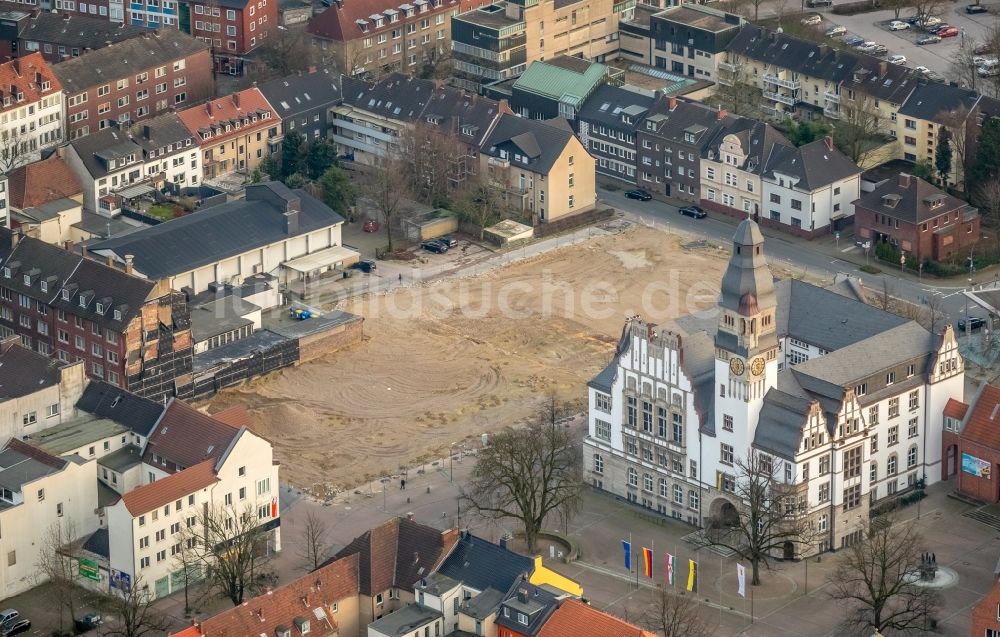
{"type": "Point", "coordinates": [38, 394]}
{"type": "Point", "coordinates": [303, 100]}
{"type": "Point", "coordinates": [517, 33]}
{"type": "Point", "coordinates": [670, 141]}
{"type": "Point", "coordinates": [384, 37]}
{"type": "Point", "coordinates": [58, 36]}
{"type": "Point", "coordinates": [157, 154]}
{"type": "Point", "coordinates": [690, 39]}
{"type": "Point", "coordinates": [31, 115]}
{"type": "Point", "coordinates": [134, 80]}
{"type": "Point", "coordinates": [194, 465]}
{"type": "Point", "coordinates": [132, 332]}
{"type": "Point", "coordinates": [233, 133]}
{"type": "Point", "coordinates": [607, 126]}
{"type": "Point", "coordinates": [233, 28]}
{"type": "Point", "coordinates": [844, 414]}
{"type": "Point", "coordinates": [152, 14]}
{"type": "Point", "coordinates": [543, 170]}
{"type": "Point", "coordinates": [938, 114]}
{"type": "Point", "coordinates": [107, 10]}
{"type": "Point", "coordinates": [921, 221]}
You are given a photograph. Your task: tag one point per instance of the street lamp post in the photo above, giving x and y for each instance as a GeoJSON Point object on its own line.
{"type": "Point", "coordinates": [451, 462]}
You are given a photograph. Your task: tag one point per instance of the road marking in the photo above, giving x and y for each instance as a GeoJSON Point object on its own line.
{"type": "Point", "coordinates": [849, 248]}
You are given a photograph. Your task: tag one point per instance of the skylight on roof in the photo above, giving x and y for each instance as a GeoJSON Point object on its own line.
{"type": "Point", "coordinates": [605, 106]}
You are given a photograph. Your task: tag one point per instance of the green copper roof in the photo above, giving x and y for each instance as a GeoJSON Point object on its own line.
{"type": "Point", "coordinates": [560, 83]}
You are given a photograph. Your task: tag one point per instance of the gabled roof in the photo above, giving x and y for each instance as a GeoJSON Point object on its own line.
{"type": "Point", "coordinates": [111, 143]}
{"type": "Point", "coordinates": [911, 198]}
{"type": "Point", "coordinates": [940, 103]}
{"type": "Point", "coordinates": [673, 119]}
{"type": "Point", "coordinates": [758, 141]}
{"type": "Point", "coordinates": [481, 564]}
{"type": "Point", "coordinates": [24, 371]}
{"type": "Point", "coordinates": [167, 490]}
{"type": "Point", "coordinates": [955, 409]}
{"type": "Point", "coordinates": [21, 463]}
{"type": "Point", "coordinates": [779, 429]}
{"type": "Point", "coordinates": [396, 554]}
{"type": "Point", "coordinates": [125, 408]}
{"type": "Point", "coordinates": [983, 425]}
{"type": "Point", "coordinates": [217, 113]}
{"type": "Point", "coordinates": [608, 105]}
{"type": "Point", "coordinates": [155, 48]}
{"type": "Point", "coordinates": [311, 597]}
{"type": "Point", "coordinates": [164, 132]}
{"type": "Point", "coordinates": [75, 30]}
{"type": "Point", "coordinates": [574, 618]}
{"type": "Point", "coordinates": [543, 141]}
{"type": "Point", "coordinates": [467, 115]}
{"type": "Point", "coordinates": [185, 436]}
{"type": "Point", "coordinates": [534, 602]}
{"type": "Point", "coordinates": [342, 21]}
{"type": "Point", "coordinates": [289, 96]}
{"type": "Point", "coordinates": [814, 165]}
{"type": "Point", "coordinates": [398, 97]}
{"type": "Point", "coordinates": [566, 79]}
{"type": "Point", "coordinates": [27, 75]}
{"type": "Point", "coordinates": [42, 182]}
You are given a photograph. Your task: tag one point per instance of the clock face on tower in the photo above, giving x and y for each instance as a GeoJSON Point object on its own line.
{"type": "Point", "coordinates": [757, 366]}
{"type": "Point", "coordinates": [736, 366]}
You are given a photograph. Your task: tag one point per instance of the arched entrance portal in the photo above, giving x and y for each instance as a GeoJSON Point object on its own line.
{"type": "Point", "coordinates": [788, 550]}
{"type": "Point", "coordinates": [723, 513]}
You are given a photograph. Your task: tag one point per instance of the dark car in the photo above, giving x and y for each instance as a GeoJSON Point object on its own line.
{"type": "Point", "coordinates": [976, 8]}
{"type": "Point", "coordinates": [641, 195]}
{"type": "Point", "coordinates": [448, 240]}
{"type": "Point", "coordinates": [90, 621]}
{"type": "Point", "coordinates": [366, 265]}
{"type": "Point", "coordinates": [693, 211]}
{"type": "Point", "coordinates": [854, 40]}
{"type": "Point", "coordinates": [434, 246]}
{"type": "Point", "coordinates": [929, 39]}
{"type": "Point", "coordinates": [974, 323]}
{"type": "Point", "coordinates": [16, 628]}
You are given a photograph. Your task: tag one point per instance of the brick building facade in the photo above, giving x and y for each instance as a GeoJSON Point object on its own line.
{"type": "Point", "coordinates": [232, 28]}
{"type": "Point", "coordinates": [971, 445]}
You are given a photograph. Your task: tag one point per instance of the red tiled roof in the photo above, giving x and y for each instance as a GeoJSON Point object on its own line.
{"type": "Point", "coordinates": [173, 487]}
{"type": "Point", "coordinates": [308, 597]}
{"type": "Point", "coordinates": [398, 553]}
{"type": "Point", "coordinates": [339, 22]}
{"type": "Point", "coordinates": [235, 416]}
{"type": "Point", "coordinates": [42, 182]}
{"type": "Point", "coordinates": [221, 110]}
{"type": "Point", "coordinates": [35, 453]}
{"type": "Point", "coordinates": [984, 421]}
{"type": "Point", "coordinates": [185, 436]}
{"type": "Point", "coordinates": [574, 618]}
{"type": "Point", "coordinates": [190, 631]}
{"type": "Point", "coordinates": [955, 409]}
{"type": "Point", "coordinates": [26, 74]}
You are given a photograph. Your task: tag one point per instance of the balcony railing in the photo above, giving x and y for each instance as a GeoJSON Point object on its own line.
{"type": "Point", "coordinates": [832, 97]}
{"type": "Point", "coordinates": [727, 66]}
{"type": "Point", "coordinates": [790, 84]}
{"type": "Point", "coordinates": [831, 112]}
{"type": "Point", "coordinates": [778, 97]}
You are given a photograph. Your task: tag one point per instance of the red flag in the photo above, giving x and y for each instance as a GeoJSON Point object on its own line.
{"type": "Point", "coordinates": [647, 561]}
{"type": "Point", "coordinates": [274, 507]}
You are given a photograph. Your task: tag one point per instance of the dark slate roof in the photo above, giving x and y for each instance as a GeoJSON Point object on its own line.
{"type": "Point", "coordinates": [541, 141]}
{"type": "Point", "coordinates": [398, 97]}
{"type": "Point", "coordinates": [609, 105]}
{"type": "Point", "coordinates": [125, 58]}
{"type": "Point", "coordinates": [160, 132]}
{"type": "Point", "coordinates": [295, 94]}
{"type": "Point", "coordinates": [108, 143]}
{"type": "Point", "coordinates": [480, 564]}
{"type": "Point", "coordinates": [23, 371]}
{"type": "Point", "coordinates": [75, 30]}
{"type": "Point", "coordinates": [466, 115]}
{"type": "Point", "coordinates": [114, 403]}
{"type": "Point", "coordinates": [758, 140]}
{"type": "Point", "coordinates": [782, 417]}
{"type": "Point", "coordinates": [672, 118]}
{"type": "Point", "coordinates": [815, 165]}
{"type": "Point", "coordinates": [534, 601]}
{"type": "Point", "coordinates": [912, 200]}
{"type": "Point", "coordinates": [940, 103]}
{"type": "Point", "coordinates": [484, 604]}
{"type": "Point", "coordinates": [216, 233]}
{"type": "Point", "coordinates": [98, 543]}
{"type": "Point", "coordinates": [69, 276]}
{"type": "Point", "coordinates": [605, 378]}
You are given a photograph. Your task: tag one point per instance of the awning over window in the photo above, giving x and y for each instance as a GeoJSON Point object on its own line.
{"type": "Point", "coordinates": [136, 191]}
{"type": "Point", "coordinates": [321, 259]}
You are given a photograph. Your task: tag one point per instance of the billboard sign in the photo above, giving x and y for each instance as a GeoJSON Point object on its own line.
{"type": "Point", "coordinates": [89, 569]}
{"type": "Point", "coordinates": [121, 580]}
{"type": "Point", "coordinates": [975, 466]}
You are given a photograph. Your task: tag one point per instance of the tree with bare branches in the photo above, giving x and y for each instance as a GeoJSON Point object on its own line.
{"type": "Point", "coordinates": [59, 567]}
{"type": "Point", "coordinates": [315, 542]}
{"type": "Point", "coordinates": [15, 149]}
{"type": "Point", "coordinates": [386, 186]}
{"type": "Point", "coordinates": [528, 473]}
{"type": "Point", "coordinates": [671, 615]}
{"type": "Point", "coordinates": [288, 51]}
{"type": "Point", "coordinates": [132, 613]}
{"type": "Point", "coordinates": [857, 131]}
{"type": "Point", "coordinates": [481, 203]}
{"type": "Point", "coordinates": [876, 581]}
{"type": "Point", "coordinates": [736, 92]}
{"type": "Point", "coordinates": [767, 514]}
{"type": "Point", "coordinates": [428, 158]}
{"type": "Point", "coordinates": [987, 195]}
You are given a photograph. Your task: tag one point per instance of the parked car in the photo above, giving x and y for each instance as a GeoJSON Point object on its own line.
{"type": "Point", "coordinates": [639, 194]}
{"type": "Point", "coordinates": [8, 616]}
{"type": "Point", "coordinates": [864, 46]}
{"type": "Point", "coordinates": [974, 323]}
{"type": "Point", "coordinates": [930, 21]}
{"type": "Point", "coordinates": [976, 8]}
{"type": "Point", "coordinates": [854, 40]}
{"type": "Point", "coordinates": [89, 621]}
{"type": "Point", "coordinates": [810, 20]}
{"type": "Point", "coordinates": [434, 246]}
{"type": "Point", "coordinates": [981, 60]}
{"type": "Point", "coordinates": [897, 59]}
{"type": "Point", "coordinates": [370, 225]}
{"type": "Point", "coordinates": [15, 627]}
{"type": "Point", "coordinates": [695, 212]}
{"type": "Point", "coordinates": [921, 69]}
{"type": "Point", "coordinates": [835, 31]}
{"type": "Point", "coordinates": [813, 4]}
{"type": "Point", "coordinates": [934, 76]}
{"type": "Point", "coordinates": [988, 71]}
{"type": "Point", "coordinates": [365, 265]}
{"type": "Point", "coordinates": [983, 49]}
{"type": "Point", "coordinates": [929, 39]}
{"type": "Point", "coordinates": [878, 50]}
{"type": "Point", "coordinates": [897, 25]}
{"type": "Point", "coordinates": [950, 32]}
{"type": "Point", "coordinates": [448, 240]}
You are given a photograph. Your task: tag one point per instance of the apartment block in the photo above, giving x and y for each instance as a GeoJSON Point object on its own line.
{"type": "Point", "coordinates": [233, 28]}
{"type": "Point", "coordinates": [608, 124]}
{"type": "Point", "coordinates": [58, 36]}
{"type": "Point", "coordinates": [37, 393]}
{"type": "Point", "coordinates": [690, 39]}
{"type": "Point", "coordinates": [31, 115]}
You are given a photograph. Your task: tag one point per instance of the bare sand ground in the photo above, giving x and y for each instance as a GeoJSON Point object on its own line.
{"type": "Point", "coordinates": [446, 361]}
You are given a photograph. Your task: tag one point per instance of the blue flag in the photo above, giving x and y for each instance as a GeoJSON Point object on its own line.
{"type": "Point", "coordinates": [628, 554]}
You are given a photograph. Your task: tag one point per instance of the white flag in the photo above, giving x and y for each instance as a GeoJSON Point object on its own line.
{"type": "Point", "coordinates": [741, 577]}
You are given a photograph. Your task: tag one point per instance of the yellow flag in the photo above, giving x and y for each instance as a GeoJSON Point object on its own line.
{"type": "Point", "coordinates": [692, 575]}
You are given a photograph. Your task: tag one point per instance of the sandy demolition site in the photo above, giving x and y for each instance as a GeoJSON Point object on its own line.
{"type": "Point", "coordinates": [447, 361]}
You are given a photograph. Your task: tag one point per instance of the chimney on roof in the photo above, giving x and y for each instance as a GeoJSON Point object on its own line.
{"type": "Point", "coordinates": [35, 12]}
{"type": "Point", "coordinates": [904, 180]}
{"type": "Point", "coordinates": [312, 69]}
{"type": "Point", "coordinates": [236, 100]}
{"type": "Point", "coordinates": [109, 261]}
{"type": "Point", "coordinates": [68, 245]}
{"type": "Point", "coordinates": [503, 541]}
{"type": "Point", "coordinates": [83, 251]}
{"type": "Point", "coordinates": [291, 222]}
{"type": "Point", "coordinates": [128, 263]}
{"type": "Point", "coordinates": [829, 143]}
{"type": "Point", "coordinates": [409, 516]}
{"type": "Point", "coordinates": [883, 66]}
{"type": "Point", "coordinates": [15, 238]}
{"type": "Point", "coordinates": [673, 103]}
{"type": "Point", "coordinates": [522, 595]}
{"type": "Point", "coordinates": [208, 109]}
{"type": "Point", "coordinates": [65, 16]}
{"type": "Point", "coordinates": [416, 557]}
{"type": "Point", "coordinates": [721, 115]}
{"type": "Point", "coordinates": [146, 131]}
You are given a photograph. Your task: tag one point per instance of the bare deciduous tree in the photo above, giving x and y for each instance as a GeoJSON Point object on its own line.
{"type": "Point", "coordinates": [315, 542]}
{"type": "Point", "coordinates": [766, 519]}
{"type": "Point", "coordinates": [288, 51]}
{"type": "Point", "coordinates": [736, 91]}
{"type": "Point", "coordinates": [428, 158]}
{"type": "Point", "coordinates": [481, 203]}
{"type": "Point", "coordinates": [528, 473]}
{"type": "Point", "coordinates": [59, 568]}
{"type": "Point", "coordinates": [132, 613]}
{"type": "Point", "coordinates": [14, 149]}
{"type": "Point", "coordinates": [987, 195]}
{"type": "Point", "coordinates": [857, 130]}
{"type": "Point", "coordinates": [875, 581]}
{"type": "Point", "coordinates": [670, 615]}
{"type": "Point", "coordinates": [385, 185]}
{"type": "Point", "coordinates": [189, 565]}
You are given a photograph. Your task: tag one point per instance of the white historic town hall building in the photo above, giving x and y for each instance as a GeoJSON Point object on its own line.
{"type": "Point", "coordinates": [845, 397]}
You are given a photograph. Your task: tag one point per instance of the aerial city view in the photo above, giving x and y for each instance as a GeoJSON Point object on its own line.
{"type": "Point", "coordinates": [500, 318]}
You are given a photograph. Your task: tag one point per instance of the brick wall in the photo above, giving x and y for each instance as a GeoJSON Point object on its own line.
{"type": "Point", "coordinates": [332, 340]}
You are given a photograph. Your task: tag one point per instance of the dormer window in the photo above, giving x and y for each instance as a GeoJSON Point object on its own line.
{"type": "Point", "coordinates": [100, 308]}
{"type": "Point", "coordinates": [65, 295]}
{"type": "Point", "coordinates": [83, 300]}
{"type": "Point", "coordinates": [302, 624]}
{"type": "Point", "coordinates": [283, 631]}
{"type": "Point", "coordinates": [522, 619]}
{"type": "Point", "coordinates": [44, 286]}
{"type": "Point", "coordinates": [27, 279]}
{"type": "Point", "coordinates": [6, 273]}
{"type": "Point", "coordinates": [118, 315]}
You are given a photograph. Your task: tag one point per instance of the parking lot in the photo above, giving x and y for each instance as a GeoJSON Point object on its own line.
{"type": "Point", "coordinates": [937, 57]}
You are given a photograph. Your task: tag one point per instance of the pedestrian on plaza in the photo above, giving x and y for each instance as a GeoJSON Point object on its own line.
{"type": "Point", "coordinates": [402, 484]}
{"type": "Point", "coordinates": [400, 277]}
